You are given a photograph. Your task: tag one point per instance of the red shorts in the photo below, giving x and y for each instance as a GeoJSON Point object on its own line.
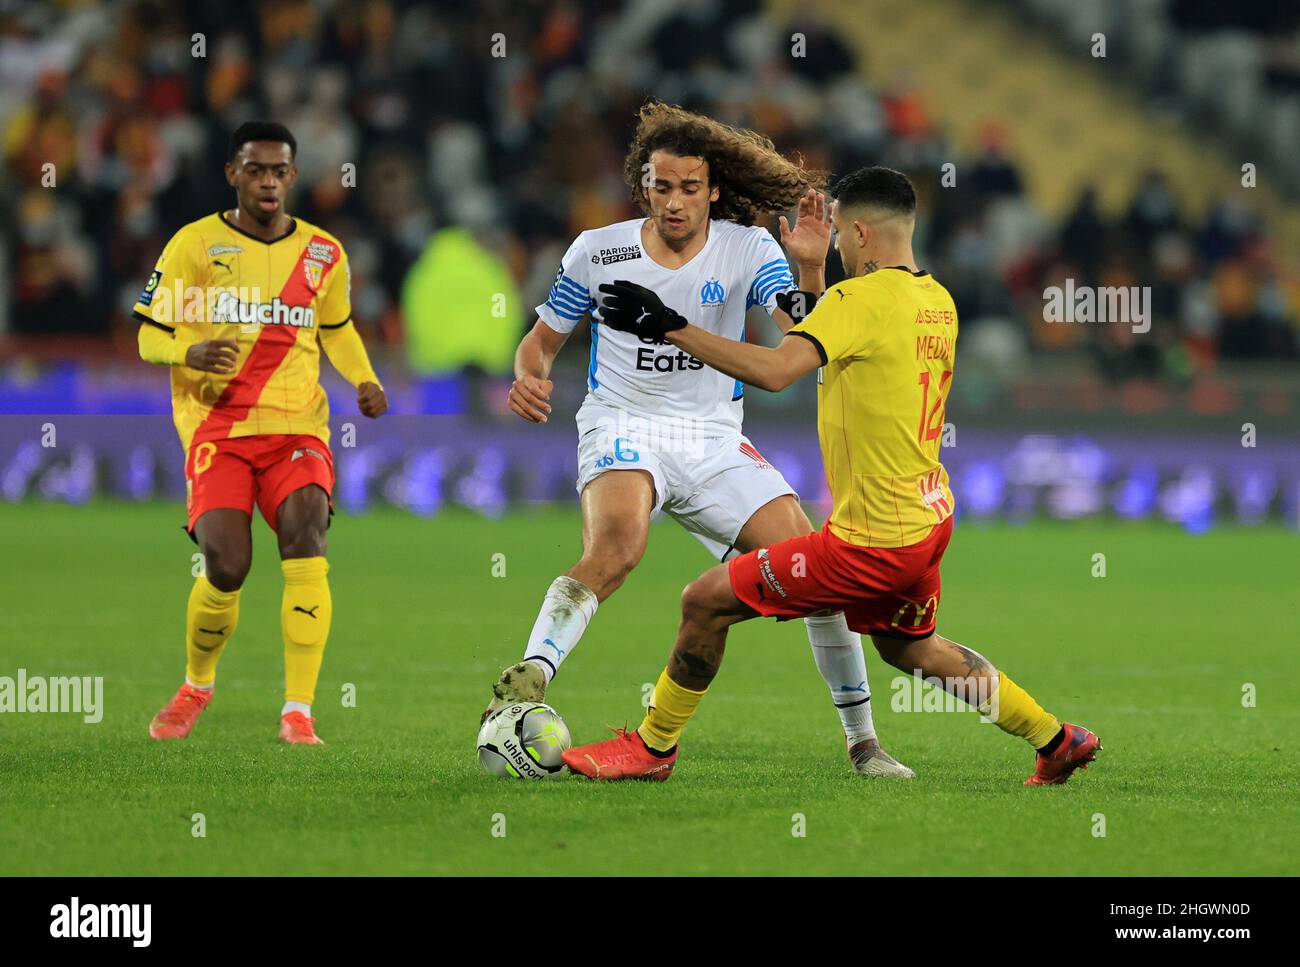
{"type": "Point", "coordinates": [236, 473]}
{"type": "Point", "coordinates": [891, 591]}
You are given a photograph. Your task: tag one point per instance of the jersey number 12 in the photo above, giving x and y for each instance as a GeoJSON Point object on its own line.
{"type": "Point", "coordinates": [932, 416]}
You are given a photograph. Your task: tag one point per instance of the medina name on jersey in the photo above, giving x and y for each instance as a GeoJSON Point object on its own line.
{"type": "Point", "coordinates": [739, 267]}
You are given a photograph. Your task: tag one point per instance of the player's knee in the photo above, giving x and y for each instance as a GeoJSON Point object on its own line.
{"type": "Point", "coordinates": [301, 523]}
{"type": "Point", "coordinates": [307, 539]}
{"type": "Point", "coordinates": [226, 567]}
{"type": "Point", "coordinates": [900, 652]}
{"type": "Point", "coordinates": [698, 604]}
{"type": "Point", "coordinates": [612, 565]}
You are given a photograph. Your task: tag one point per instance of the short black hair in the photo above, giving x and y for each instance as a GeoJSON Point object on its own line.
{"type": "Point", "coordinates": [261, 131]}
{"type": "Point", "coordinates": [877, 187]}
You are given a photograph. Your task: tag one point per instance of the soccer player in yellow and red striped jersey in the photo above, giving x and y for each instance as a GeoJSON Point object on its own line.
{"type": "Point", "coordinates": [239, 306]}
{"type": "Point", "coordinates": [884, 343]}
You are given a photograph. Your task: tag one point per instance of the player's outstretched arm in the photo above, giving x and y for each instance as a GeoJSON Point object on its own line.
{"type": "Point", "coordinates": [634, 308]}
{"type": "Point", "coordinates": [769, 369]}
{"type": "Point", "coordinates": [530, 393]}
{"type": "Point", "coordinates": [342, 344]}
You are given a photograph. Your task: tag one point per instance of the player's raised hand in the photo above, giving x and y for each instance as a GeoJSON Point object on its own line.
{"type": "Point", "coordinates": [809, 240]}
{"type": "Point", "coordinates": [530, 396]}
{"type": "Point", "coordinates": [372, 400]}
{"type": "Point", "coordinates": [213, 356]}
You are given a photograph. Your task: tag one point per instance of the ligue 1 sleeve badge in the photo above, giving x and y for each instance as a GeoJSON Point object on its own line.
{"type": "Point", "coordinates": [146, 296]}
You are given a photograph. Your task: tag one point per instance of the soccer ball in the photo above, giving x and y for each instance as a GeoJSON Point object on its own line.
{"type": "Point", "coordinates": [523, 741]}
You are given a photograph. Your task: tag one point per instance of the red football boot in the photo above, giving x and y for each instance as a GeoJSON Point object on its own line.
{"type": "Point", "coordinates": [623, 757]}
{"type": "Point", "coordinates": [177, 717]}
{"type": "Point", "coordinates": [1077, 749]}
{"type": "Point", "coordinates": [297, 728]}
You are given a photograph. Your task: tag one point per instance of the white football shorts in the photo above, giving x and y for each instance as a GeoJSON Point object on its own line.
{"type": "Point", "coordinates": [710, 484]}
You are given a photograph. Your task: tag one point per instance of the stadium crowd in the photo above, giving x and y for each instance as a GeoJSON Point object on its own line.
{"type": "Point", "coordinates": [491, 135]}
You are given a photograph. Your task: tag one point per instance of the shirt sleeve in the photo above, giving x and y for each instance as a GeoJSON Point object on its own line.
{"type": "Point", "coordinates": [157, 346]}
{"type": "Point", "coordinates": [842, 324]}
{"type": "Point", "coordinates": [771, 273]}
{"type": "Point", "coordinates": [336, 304]}
{"type": "Point", "coordinates": [570, 298]}
{"type": "Point", "coordinates": [343, 346]}
{"type": "Point", "coordinates": [174, 274]}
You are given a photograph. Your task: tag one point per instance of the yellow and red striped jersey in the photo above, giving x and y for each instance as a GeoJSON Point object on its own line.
{"type": "Point", "coordinates": [888, 341]}
{"type": "Point", "coordinates": [214, 281]}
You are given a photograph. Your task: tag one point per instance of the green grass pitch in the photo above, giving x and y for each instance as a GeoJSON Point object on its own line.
{"type": "Point", "coordinates": [1153, 656]}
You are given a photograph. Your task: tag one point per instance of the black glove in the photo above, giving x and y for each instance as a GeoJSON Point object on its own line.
{"type": "Point", "coordinates": [797, 305]}
{"type": "Point", "coordinates": [634, 308]}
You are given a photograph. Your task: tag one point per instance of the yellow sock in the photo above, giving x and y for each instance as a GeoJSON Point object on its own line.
{"type": "Point", "coordinates": [1018, 714]}
{"type": "Point", "coordinates": [671, 708]}
{"type": "Point", "coordinates": [210, 620]}
{"type": "Point", "coordinates": [305, 614]}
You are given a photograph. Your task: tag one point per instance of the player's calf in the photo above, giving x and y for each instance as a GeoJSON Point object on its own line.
{"type": "Point", "coordinates": [971, 677]}
{"type": "Point", "coordinates": [962, 671]}
{"type": "Point", "coordinates": [709, 608]}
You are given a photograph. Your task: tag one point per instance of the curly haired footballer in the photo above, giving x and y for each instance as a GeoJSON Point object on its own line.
{"type": "Point", "coordinates": [752, 177]}
{"type": "Point", "coordinates": [697, 256]}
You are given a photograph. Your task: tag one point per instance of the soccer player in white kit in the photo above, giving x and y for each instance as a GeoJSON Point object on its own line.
{"type": "Point", "coordinates": [669, 425]}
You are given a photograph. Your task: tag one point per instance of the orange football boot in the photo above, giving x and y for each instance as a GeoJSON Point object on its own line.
{"type": "Point", "coordinates": [623, 757]}
{"type": "Point", "coordinates": [297, 728]}
{"type": "Point", "coordinates": [177, 718]}
{"type": "Point", "coordinates": [1077, 749]}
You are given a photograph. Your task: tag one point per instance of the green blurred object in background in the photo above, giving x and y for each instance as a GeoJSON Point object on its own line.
{"type": "Point", "coordinates": [461, 307]}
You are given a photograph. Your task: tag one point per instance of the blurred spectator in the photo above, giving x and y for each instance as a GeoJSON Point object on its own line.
{"type": "Point", "coordinates": [993, 173]}
{"type": "Point", "coordinates": [1152, 212]}
{"type": "Point", "coordinates": [461, 306]}
{"type": "Point", "coordinates": [1084, 235]}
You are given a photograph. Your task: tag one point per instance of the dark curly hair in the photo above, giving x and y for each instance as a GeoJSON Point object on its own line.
{"type": "Point", "coordinates": [753, 179]}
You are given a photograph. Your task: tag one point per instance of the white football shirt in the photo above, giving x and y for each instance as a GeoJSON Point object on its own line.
{"type": "Point", "coordinates": [738, 268]}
